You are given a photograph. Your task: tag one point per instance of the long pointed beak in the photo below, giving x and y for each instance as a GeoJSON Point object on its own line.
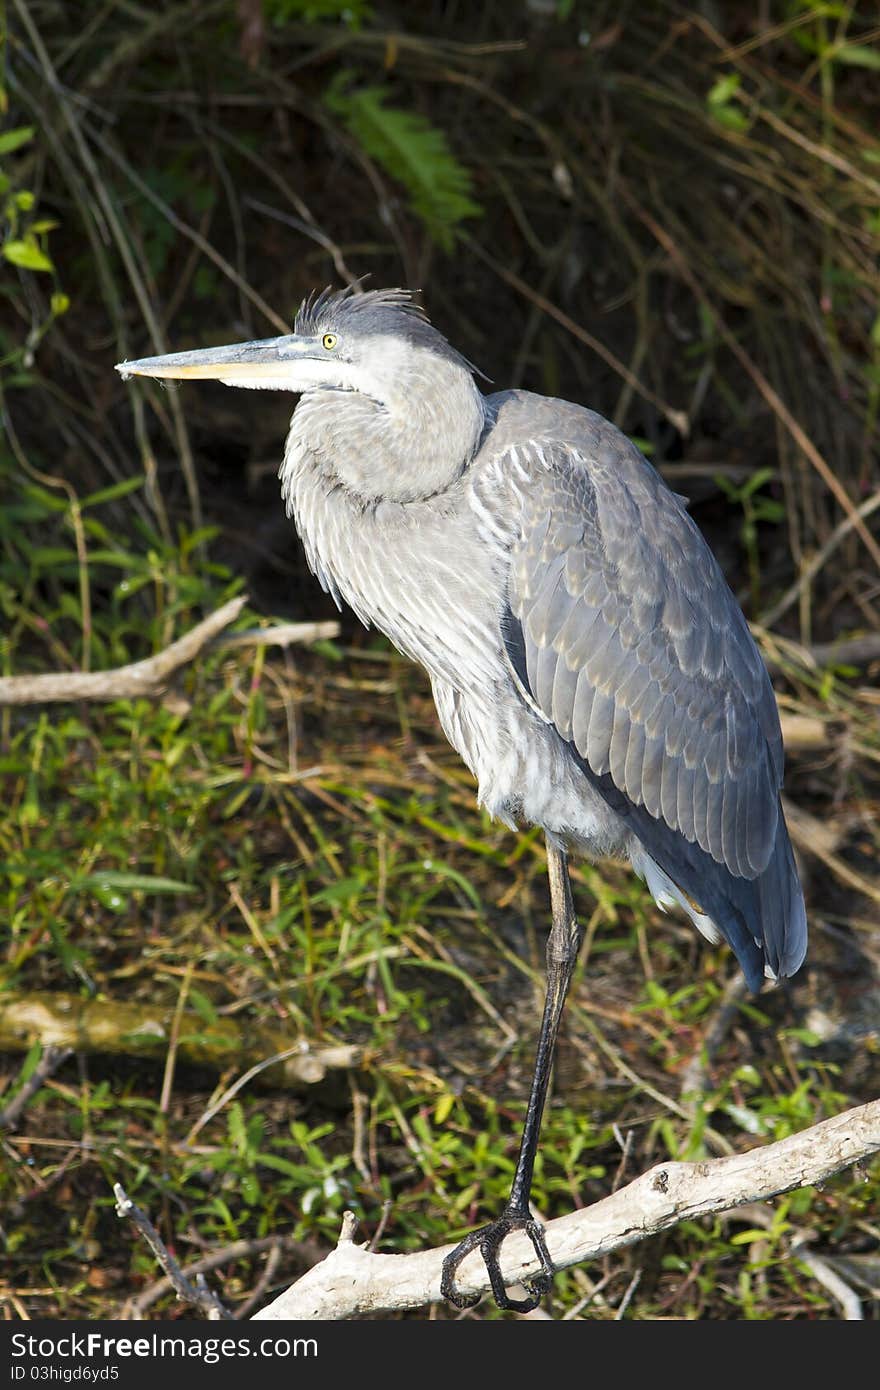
{"type": "Point", "coordinates": [242, 364]}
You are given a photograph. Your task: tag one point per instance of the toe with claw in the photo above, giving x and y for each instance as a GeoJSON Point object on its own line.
{"type": "Point", "coordinates": [489, 1240]}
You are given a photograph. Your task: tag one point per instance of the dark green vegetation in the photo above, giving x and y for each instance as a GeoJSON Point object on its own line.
{"type": "Point", "coordinates": [674, 225]}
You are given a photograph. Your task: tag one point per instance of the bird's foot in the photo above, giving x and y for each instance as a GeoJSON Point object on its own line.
{"type": "Point", "coordinates": [489, 1240]}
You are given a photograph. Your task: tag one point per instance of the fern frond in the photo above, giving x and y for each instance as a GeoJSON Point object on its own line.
{"type": "Point", "coordinates": [413, 152]}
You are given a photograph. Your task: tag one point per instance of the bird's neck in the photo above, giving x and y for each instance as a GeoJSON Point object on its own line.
{"type": "Point", "coordinates": [404, 448]}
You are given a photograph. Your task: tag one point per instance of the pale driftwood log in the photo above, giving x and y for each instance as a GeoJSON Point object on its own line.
{"type": "Point", "coordinates": [351, 1281]}
{"type": "Point", "coordinates": [92, 1026]}
{"type": "Point", "coordinates": [148, 676]}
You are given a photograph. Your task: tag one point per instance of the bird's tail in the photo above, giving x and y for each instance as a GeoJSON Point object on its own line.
{"type": "Point", "coordinates": [763, 919]}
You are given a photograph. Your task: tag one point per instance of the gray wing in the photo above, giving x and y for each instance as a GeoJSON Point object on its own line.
{"type": "Point", "coordinates": [637, 651]}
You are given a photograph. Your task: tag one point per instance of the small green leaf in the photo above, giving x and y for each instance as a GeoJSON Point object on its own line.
{"type": "Point", "coordinates": [114, 492]}
{"type": "Point", "coordinates": [329, 650]}
{"type": "Point", "coordinates": [29, 1066]}
{"type": "Point", "coordinates": [723, 90]}
{"type": "Point", "coordinates": [110, 898]}
{"type": "Point", "coordinates": [857, 56]}
{"type": "Point", "coordinates": [45, 556]}
{"type": "Point", "coordinates": [202, 1005]}
{"type": "Point", "coordinates": [643, 445]}
{"type": "Point", "coordinates": [758, 479]}
{"type": "Point", "coordinates": [59, 304]}
{"type": "Point", "coordinates": [731, 117]}
{"type": "Point", "coordinates": [443, 1108]}
{"type": "Point", "coordinates": [14, 139]}
{"type": "Point", "coordinates": [748, 1237]}
{"type": "Point", "coordinates": [26, 254]}
{"type": "Point", "coordinates": [350, 12]}
{"type": "Point", "coordinates": [804, 1035]}
{"type": "Point", "coordinates": [144, 883]}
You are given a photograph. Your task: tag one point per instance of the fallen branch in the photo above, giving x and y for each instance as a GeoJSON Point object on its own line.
{"type": "Point", "coordinates": [148, 676]}
{"type": "Point", "coordinates": [123, 682]}
{"type": "Point", "coordinates": [144, 1030]}
{"type": "Point", "coordinates": [352, 1281]}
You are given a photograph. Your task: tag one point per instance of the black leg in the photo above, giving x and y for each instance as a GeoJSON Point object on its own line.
{"type": "Point", "coordinates": [562, 951]}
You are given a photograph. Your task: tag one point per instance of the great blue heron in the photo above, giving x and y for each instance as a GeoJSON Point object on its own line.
{"type": "Point", "coordinates": [587, 659]}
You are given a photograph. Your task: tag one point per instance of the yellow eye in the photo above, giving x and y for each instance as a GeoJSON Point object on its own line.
{"type": "Point", "coordinates": [329, 341]}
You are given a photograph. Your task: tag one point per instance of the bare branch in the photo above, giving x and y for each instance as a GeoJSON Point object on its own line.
{"type": "Point", "coordinates": [125, 682]}
{"type": "Point", "coordinates": [136, 1307]}
{"type": "Point", "coordinates": [352, 1281]}
{"type": "Point", "coordinates": [148, 676]}
{"type": "Point", "coordinates": [196, 1293]}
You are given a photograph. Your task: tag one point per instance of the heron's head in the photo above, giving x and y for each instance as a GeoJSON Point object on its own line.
{"type": "Point", "coordinates": [379, 344]}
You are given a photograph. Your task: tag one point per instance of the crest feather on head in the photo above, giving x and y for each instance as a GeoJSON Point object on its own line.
{"type": "Point", "coordinates": [372, 313]}
{"type": "Point", "coordinates": [336, 307]}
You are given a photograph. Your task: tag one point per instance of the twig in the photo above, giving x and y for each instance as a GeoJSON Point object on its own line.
{"type": "Point", "coordinates": [273, 1260]}
{"type": "Point", "coordinates": [809, 834]}
{"type": "Point", "coordinates": [376, 1237]}
{"type": "Point", "coordinates": [118, 231]}
{"type": "Point", "coordinates": [803, 731]}
{"type": "Point", "coordinates": [299, 1052]}
{"type": "Point", "coordinates": [279, 324]}
{"type": "Point", "coordinates": [174, 1038]}
{"type": "Point", "coordinates": [352, 1281]}
{"type": "Point", "coordinates": [51, 1060]}
{"type": "Point", "coordinates": [198, 1293]}
{"type": "Point", "coordinates": [134, 1308]}
{"type": "Point", "coordinates": [625, 1301]}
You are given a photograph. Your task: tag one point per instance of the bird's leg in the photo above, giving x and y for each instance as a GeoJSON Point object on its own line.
{"type": "Point", "coordinates": [562, 951]}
